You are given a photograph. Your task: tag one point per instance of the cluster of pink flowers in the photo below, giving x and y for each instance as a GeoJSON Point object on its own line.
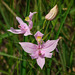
{"type": "Point", "coordinates": [42, 49]}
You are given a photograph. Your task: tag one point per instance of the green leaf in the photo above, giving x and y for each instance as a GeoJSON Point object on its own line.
{"type": "Point", "coordinates": [7, 55]}
{"type": "Point", "coordinates": [6, 35]}
{"type": "Point", "coordinates": [3, 72]}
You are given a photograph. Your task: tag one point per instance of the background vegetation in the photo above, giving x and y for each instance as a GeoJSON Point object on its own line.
{"type": "Point", "coordinates": [13, 60]}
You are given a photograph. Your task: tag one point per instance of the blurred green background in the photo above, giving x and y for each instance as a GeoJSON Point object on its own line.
{"type": "Point", "coordinates": [13, 60]}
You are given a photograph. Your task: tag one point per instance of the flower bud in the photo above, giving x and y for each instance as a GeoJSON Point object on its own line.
{"type": "Point", "coordinates": [52, 14]}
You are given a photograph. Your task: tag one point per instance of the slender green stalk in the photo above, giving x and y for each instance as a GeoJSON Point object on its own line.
{"type": "Point", "coordinates": [47, 27]}
{"type": "Point", "coordinates": [39, 9]}
{"type": "Point", "coordinates": [63, 19]}
{"type": "Point", "coordinates": [61, 58]}
{"type": "Point", "coordinates": [46, 36]}
{"type": "Point", "coordinates": [8, 8]}
{"type": "Point", "coordinates": [7, 55]}
{"type": "Point", "coordinates": [53, 26]}
{"type": "Point", "coordinates": [2, 12]}
{"type": "Point", "coordinates": [23, 64]}
{"type": "Point", "coordinates": [24, 54]}
{"type": "Point", "coordinates": [64, 58]}
{"type": "Point", "coordinates": [3, 72]}
{"type": "Point", "coordinates": [48, 69]}
{"type": "Point", "coordinates": [44, 23]}
{"type": "Point", "coordinates": [57, 35]}
{"type": "Point", "coordinates": [14, 57]}
{"type": "Point", "coordinates": [7, 26]}
{"type": "Point", "coordinates": [52, 31]}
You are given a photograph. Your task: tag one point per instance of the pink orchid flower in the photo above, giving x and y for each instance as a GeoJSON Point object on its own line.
{"type": "Point", "coordinates": [40, 51]}
{"type": "Point", "coordinates": [24, 29]}
{"type": "Point", "coordinates": [29, 19]}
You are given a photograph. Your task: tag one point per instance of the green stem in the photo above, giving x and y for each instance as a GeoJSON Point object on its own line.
{"type": "Point", "coordinates": [63, 20]}
{"type": "Point", "coordinates": [23, 64]}
{"type": "Point", "coordinates": [48, 69]}
{"type": "Point", "coordinates": [52, 31]}
{"type": "Point", "coordinates": [7, 55]}
{"type": "Point", "coordinates": [8, 8]}
{"type": "Point", "coordinates": [24, 54]}
{"type": "Point", "coordinates": [47, 27]}
{"type": "Point", "coordinates": [57, 35]}
{"type": "Point", "coordinates": [44, 23]}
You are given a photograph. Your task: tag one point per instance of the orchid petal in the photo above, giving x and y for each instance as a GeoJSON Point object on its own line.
{"type": "Point", "coordinates": [30, 24]}
{"type": "Point", "coordinates": [57, 50]}
{"type": "Point", "coordinates": [15, 31]}
{"type": "Point", "coordinates": [40, 61]}
{"type": "Point", "coordinates": [20, 21]}
{"type": "Point", "coordinates": [38, 33]}
{"type": "Point", "coordinates": [27, 32]}
{"type": "Point", "coordinates": [48, 55]}
{"type": "Point", "coordinates": [50, 45]}
{"type": "Point", "coordinates": [31, 15]}
{"type": "Point", "coordinates": [34, 55]}
{"type": "Point", "coordinates": [28, 47]}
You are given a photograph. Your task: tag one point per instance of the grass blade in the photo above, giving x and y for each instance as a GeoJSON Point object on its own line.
{"type": "Point", "coordinates": [8, 8]}
{"type": "Point", "coordinates": [57, 35]}
{"type": "Point", "coordinates": [63, 20]}
{"type": "Point", "coordinates": [24, 54]}
{"type": "Point", "coordinates": [7, 55]}
{"type": "Point", "coordinates": [3, 72]}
